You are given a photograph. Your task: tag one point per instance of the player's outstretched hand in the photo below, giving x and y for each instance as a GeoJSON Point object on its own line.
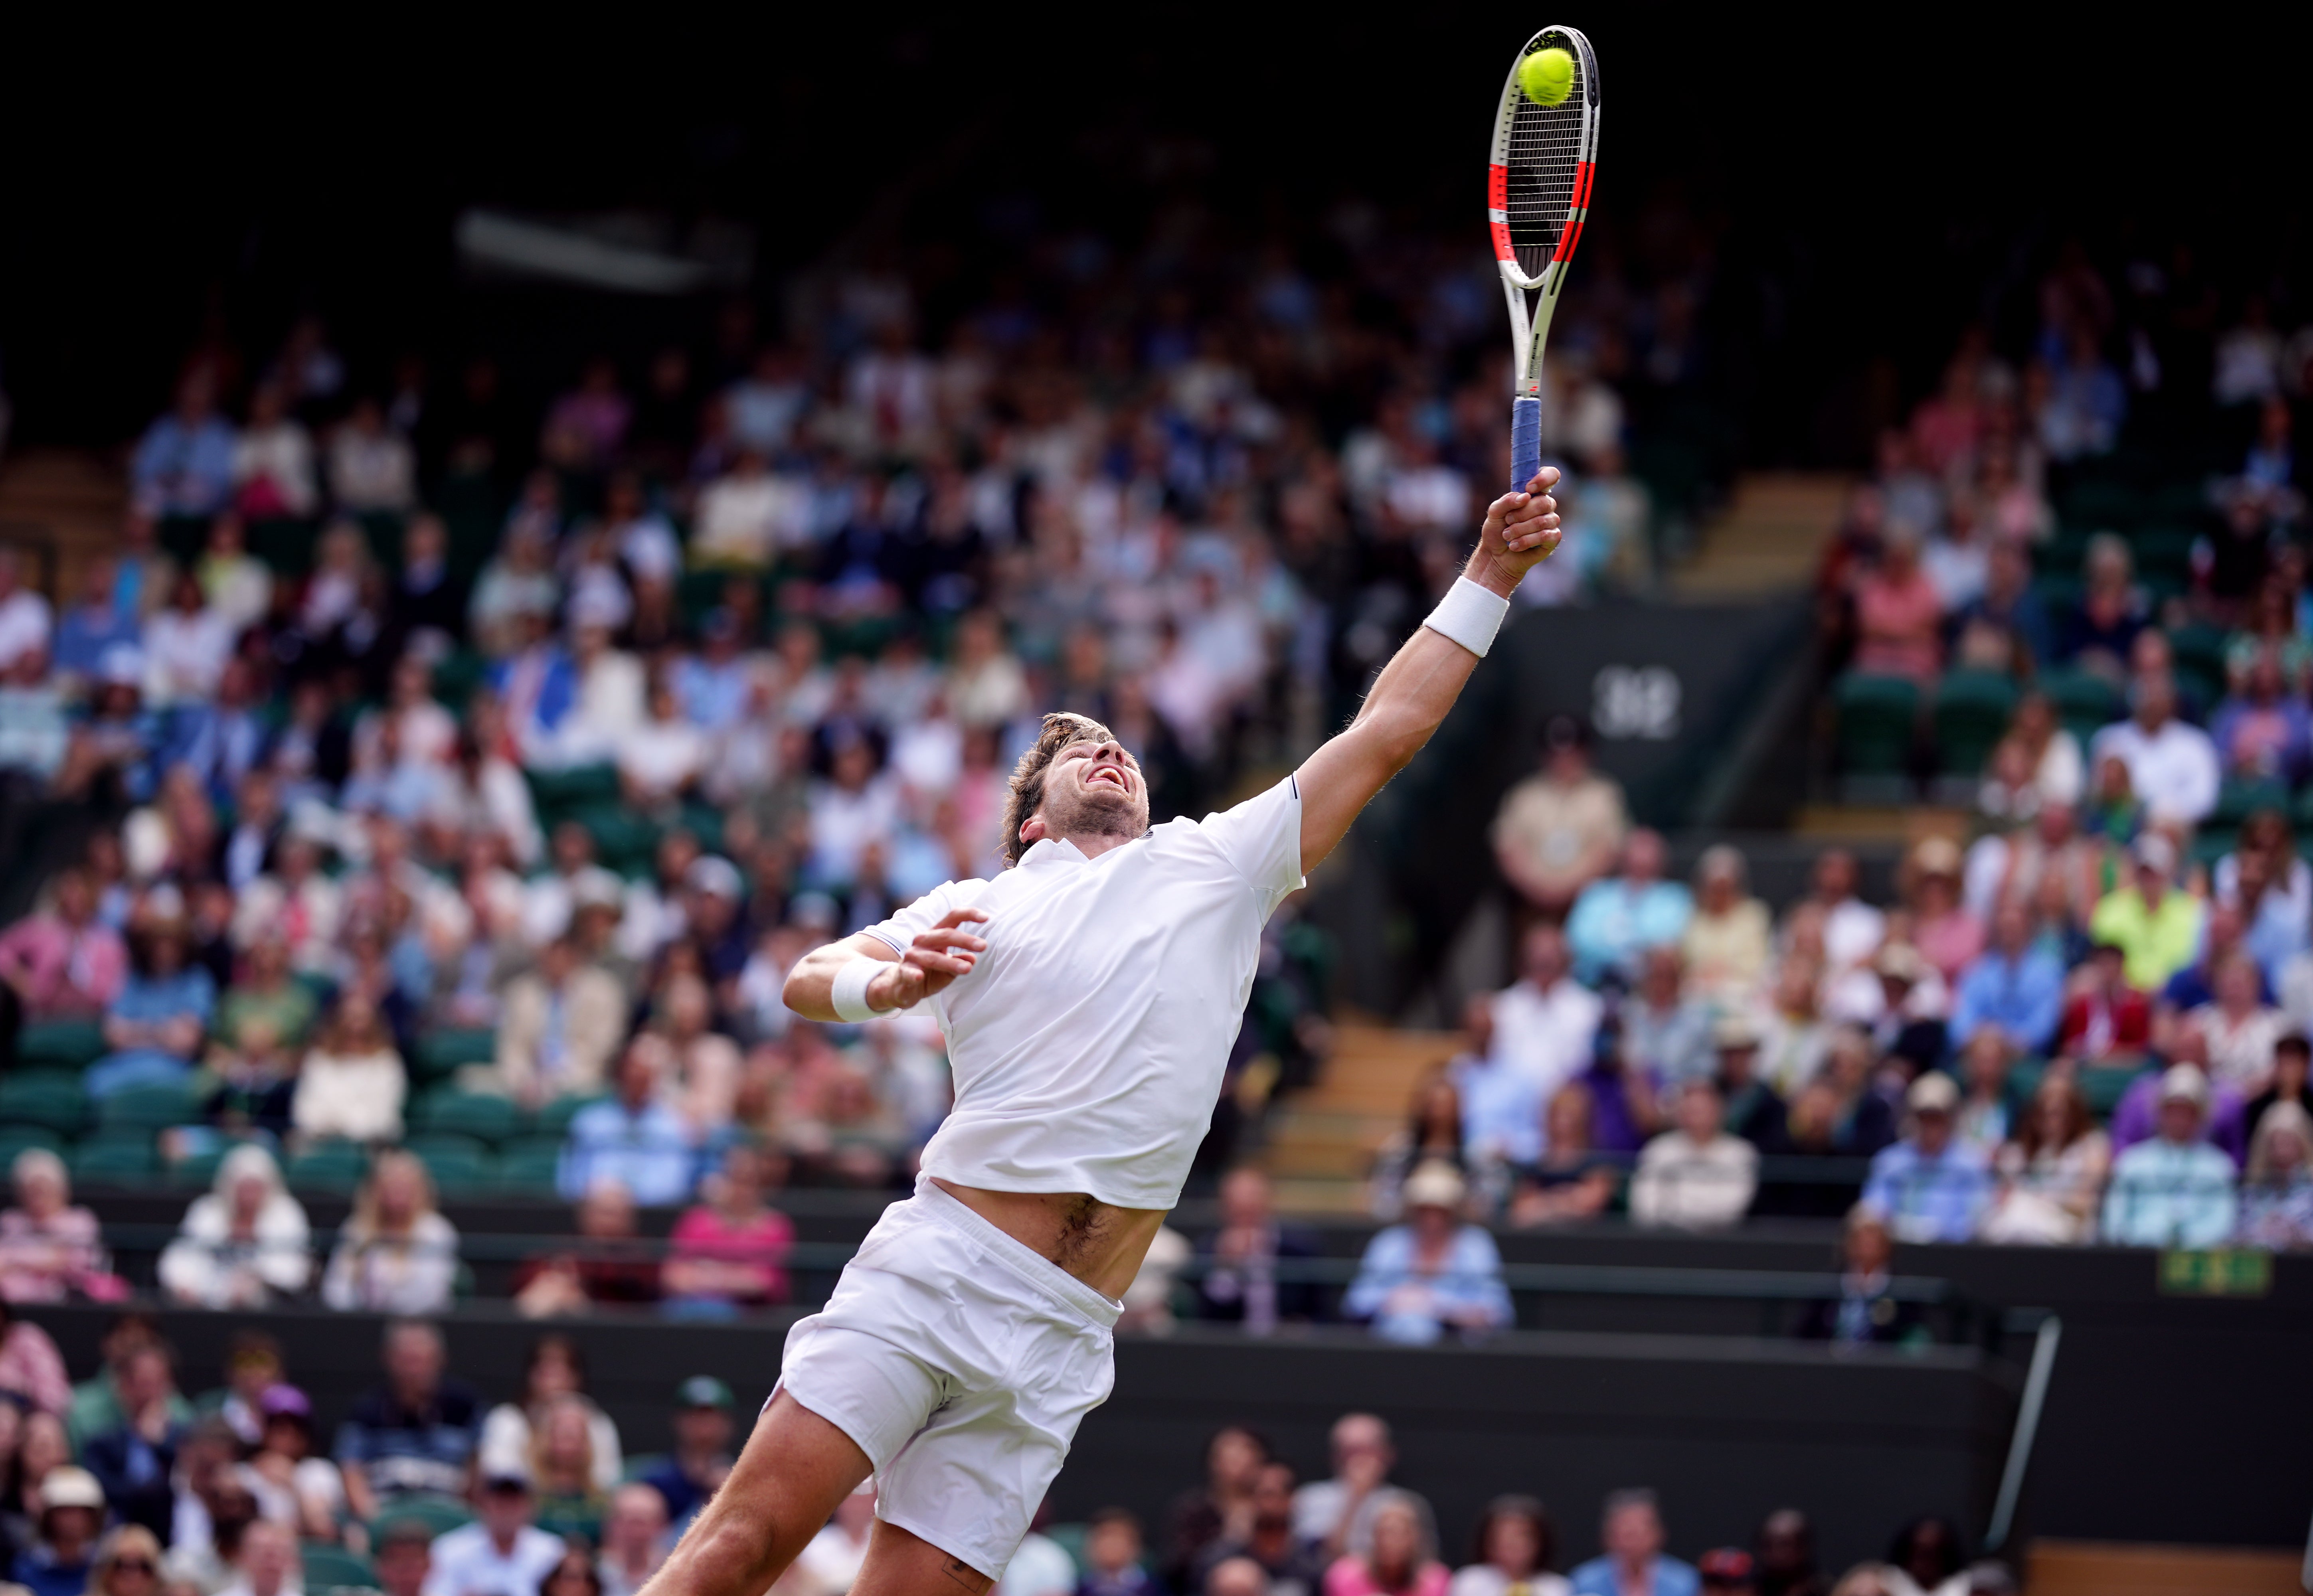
{"type": "Point", "coordinates": [935, 958]}
{"type": "Point", "coordinates": [1521, 532]}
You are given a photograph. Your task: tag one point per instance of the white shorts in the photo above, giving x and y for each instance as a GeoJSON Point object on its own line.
{"type": "Point", "coordinates": [961, 1363]}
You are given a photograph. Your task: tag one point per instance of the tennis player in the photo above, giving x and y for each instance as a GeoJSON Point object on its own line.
{"type": "Point", "coordinates": [1089, 995]}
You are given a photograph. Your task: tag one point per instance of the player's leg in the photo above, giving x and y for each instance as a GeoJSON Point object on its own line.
{"type": "Point", "coordinates": [792, 1472]}
{"type": "Point", "coordinates": [901, 1563]}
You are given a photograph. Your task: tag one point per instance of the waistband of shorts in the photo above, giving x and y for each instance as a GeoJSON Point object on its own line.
{"type": "Point", "coordinates": [1024, 1260]}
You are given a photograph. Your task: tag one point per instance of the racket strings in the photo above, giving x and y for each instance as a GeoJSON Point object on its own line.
{"type": "Point", "coordinates": [1545, 144]}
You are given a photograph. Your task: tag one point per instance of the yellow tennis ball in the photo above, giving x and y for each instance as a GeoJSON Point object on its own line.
{"type": "Point", "coordinates": [1547, 76]}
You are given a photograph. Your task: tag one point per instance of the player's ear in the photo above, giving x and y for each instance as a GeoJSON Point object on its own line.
{"type": "Point", "coordinates": [1032, 829]}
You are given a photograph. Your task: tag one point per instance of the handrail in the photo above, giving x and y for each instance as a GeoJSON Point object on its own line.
{"type": "Point", "coordinates": [2044, 1342]}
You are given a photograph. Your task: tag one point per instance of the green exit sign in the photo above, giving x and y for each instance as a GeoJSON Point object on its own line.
{"type": "Point", "coordinates": [2222, 1272]}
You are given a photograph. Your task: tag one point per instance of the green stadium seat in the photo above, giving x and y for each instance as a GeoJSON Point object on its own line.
{"type": "Point", "coordinates": [333, 1568]}
{"type": "Point", "coordinates": [331, 1166]}
{"type": "Point", "coordinates": [1971, 712]}
{"type": "Point", "coordinates": [21, 1138]}
{"type": "Point", "coordinates": [481, 1115]}
{"type": "Point", "coordinates": [562, 791]}
{"type": "Point", "coordinates": [150, 1108]}
{"type": "Point", "coordinates": [1876, 720]}
{"type": "Point", "coordinates": [2200, 649]}
{"type": "Point", "coordinates": [195, 1169]}
{"type": "Point", "coordinates": [457, 676]}
{"type": "Point", "coordinates": [553, 1117]}
{"type": "Point", "coordinates": [2103, 505]}
{"type": "Point", "coordinates": [624, 841]}
{"type": "Point", "coordinates": [440, 1054]}
{"type": "Point", "coordinates": [285, 543]}
{"type": "Point", "coordinates": [2238, 800]}
{"type": "Point", "coordinates": [2084, 701]}
{"type": "Point", "coordinates": [2104, 1084]}
{"type": "Point", "coordinates": [1070, 1539]}
{"type": "Point", "coordinates": [528, 1165]}
{"type": "Point", "coordinates": [638, 1463]}
{"type": "Point", "coordinates": [51, 1099]}
{"type": "Point", "coordinates": [2164, 556]}
{"type": "Point", "coordinates": [459, 1164]}
{"type": "Point", "coordinates": [115, 1158]}
{"type": "Point", "coordinates": [438, 1515]}
{"type": "Point", "coordinates": [60, 1044]}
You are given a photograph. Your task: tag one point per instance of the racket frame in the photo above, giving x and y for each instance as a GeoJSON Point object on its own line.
{"type": "Point", "coordinates": [1530, 323]}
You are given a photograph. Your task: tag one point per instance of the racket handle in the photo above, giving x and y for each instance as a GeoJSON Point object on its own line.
{"type": "Point", "coordinates": [1525, 441]}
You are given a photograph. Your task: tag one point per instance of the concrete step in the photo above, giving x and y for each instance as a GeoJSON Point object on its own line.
{"type": "Point", "coordinates": [2106, 1568]}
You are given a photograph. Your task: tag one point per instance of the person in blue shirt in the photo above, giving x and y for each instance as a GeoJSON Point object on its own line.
{"type": "Point", "coordinates": [1930, 1186]}
{"type": "Point", "coordinates": [72, 1513]}
{"type": "Point", "coordinates": [156, 1024]}
{"type": "Point", "coordinates": [1633, 1560]}
{"type": "Point", "coordinates": [2175, 1190]}
{"type": "Point", "coordinates": [631, 1138]}
{"type": "Point", "coordinates": [85, 630]}
{"type": "Point", "coordinates": [1432, 1274]}
{"type": "Point", "coordinates": [2016, 984]}
{"type": "Point", "coordinates": [1617, 919]}
{"type": "Point", "coordinates": [183, 465]}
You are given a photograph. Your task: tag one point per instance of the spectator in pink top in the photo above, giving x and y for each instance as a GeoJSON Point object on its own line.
{"type": "Point", "coordinates": [30, 1367]}
{"type": "Point", "coordinates": [49, 1250]}
{"type": "Point", "coordinates": [1897, 613]}
{"type": "Point", "coordinates": [64, 963]}
{"type": "Point", "coordinates": [1400, 1562]}
{"type": "Point", "coordinates": [729, 1253]}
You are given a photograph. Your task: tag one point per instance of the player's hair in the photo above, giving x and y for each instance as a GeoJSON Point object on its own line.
{"type": "Point", "coordinates": [1059, 730]}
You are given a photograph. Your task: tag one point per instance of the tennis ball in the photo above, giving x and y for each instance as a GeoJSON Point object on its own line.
{"type": "Point", "coordinates": [1547, 76]}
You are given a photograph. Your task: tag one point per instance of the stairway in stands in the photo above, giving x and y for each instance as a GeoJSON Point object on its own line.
{"type": "Point", "coordinates": [1322, 1140]}
{"type": "Point", "coordinates": [60, 507]}
{"type": "Point", "coordinates": [1769, 540]}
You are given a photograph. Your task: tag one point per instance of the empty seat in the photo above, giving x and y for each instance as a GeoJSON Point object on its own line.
{"type": "Point", "coordinates": [47, 1098]}
{"type": "Point", "coordinates": [333, 1166]}
{"type": "Point", "coordinates": [154, 1106]}
{"type": "Point", "coordinates": [60, 1044]}
{"type": "Point", "coordinates": [1876, 719]}
{"type": "Point", "coordinates": [1973, 708]}
{"type": "Point", "coordinates": [479, 1115]}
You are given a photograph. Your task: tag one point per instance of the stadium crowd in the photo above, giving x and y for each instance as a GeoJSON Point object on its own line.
{"type": "Point", "coordinates": [126, 1485]}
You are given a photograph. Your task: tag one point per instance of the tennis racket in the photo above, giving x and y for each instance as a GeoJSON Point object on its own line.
{"type": "Point", "coordinates": [1538, 195]}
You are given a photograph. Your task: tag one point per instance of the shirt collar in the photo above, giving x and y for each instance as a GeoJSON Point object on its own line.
{"type": "Point", "coordinates": [1052, 853]}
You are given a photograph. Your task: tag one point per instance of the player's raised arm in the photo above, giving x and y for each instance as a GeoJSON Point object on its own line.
{"type": "Point", "coordinates": [862, 976]}
{"type": "Point", "coordinates": [1410, 699]}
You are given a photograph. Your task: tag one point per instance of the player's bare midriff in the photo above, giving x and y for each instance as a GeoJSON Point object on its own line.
{"type": "Point", "coordinates": [1097, 1243]}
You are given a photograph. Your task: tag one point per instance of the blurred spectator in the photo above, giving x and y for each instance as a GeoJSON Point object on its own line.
{"type": "Point", "coordinates": [51, 1251]}
{"type": "Point", "coordinates": [1293, 1566]}
{"type": "Point", "coordinates": [559, 1027]}
{"type": "Point", "coordinates": [1335, 1514]}
{"type": "Point", "coordinates": [1866, 1312]}
{"type": "Point", "coordinates": [1982, 1120]}
{"type": "Point", "coordinates": [396, 1254]}
{"type": "Point", "coordinates": [44, 1447]}
{"type": "Point", "coordinates": [1112, 1556]}
{"type": "Point", "coordinates": [2052, 1175]}
{"type": "Point", "coordinates": [1222, 1511]}
{"type": "Point", "coordinates": [2175, 1190]}
{"type": "Point", "coordinates": [1241, 1283]}
{"type": "Point", "coordinates": [155, 1025]}
{"type": "Point", "coordinates": [1513, 1549]}
{"type": "Point", "coordinates": [2262, 732]}
{"type": "Point", "coordinates": [607, 1265]}
{"type": "Point", "coordinates": [2155, 925]}
{"type": "Point", "coordinates": [128, 1563]}
{"type": "Point", "coordinates": [1401, 1560]}
{"type": "Point", "coordinates": [2107, 1021]}
{"type": "Point", "coordinates": [371, 467]}
{"type": "Point", "coordinates": [1665, 1034]}
{"type": "Point", "coordinates": [1558, 830]}
{"type": "Point", "coordinates": [2237, 1030]}
{"type": "Point", "coordinates": [1752, 1110]}
{"type": "Point", "coordinates": [1238, 1576]}
{"type": "Point", "coordinates": [832, 1558]}
{"type": "Point", "coordinates": [1620, 919]}
{"type": "Point", "coordinates": [1784, 1550]}
{"type": "Point", "coordinates": [634, 1540]}
{"type": "Point", "coordinates": [403, 1558]}
{"type": "Point", "coordinates": [1946, 933]}
{"type": "Point", "coordinates": [729, 1253]}
{"type": "Point", "coordinates": [273, 462]}
{"type": "Point", "coordinates": [571, 1499]}
{"type": "Point", "coordinates": [502, 1553]}
{"type": "Point", "coordinates": [2016, 987]}
{"type": "Point", "coordinates": [1567, 1181]}
{"type": "Point", "coordinates": [1928, 1558]}
{"type": "Point", "coordinates": [352, 1082]}
{"type": "Point", "coordinates": [183, 464]}
{"type": "Point", "coordinates": [414, 1435]}
{"type": "Point", "coordinates": [1930, 1186]}
{"type": "Point", "coordinates": [61, 1562]}
{"type": "Point", "coordinates": [26, 623]}
{"type": "Point", "coordinates": [2172, 765]}
{"type": "Point", "coordinates": [1543, 1027]}
{"type": "Point", "coordinates": [294, 1486]}
{"type": "Point", "coordinates": [556, 1371]}
{"type": "Point", "coordinates": [132, 1459]}
{"type": "Point", "coordinates": [2006, 627]}
{"type": "Point", "coordinates": [701, 1459]}
{"type": "Point", "coordinates": [266, 1563]}
{"type": "Point", "coordinates": [1431, 1274]}
{"type": "Point", "coordinates": [243, 1246]}
{"type": "Point", "coordinates": [2276, 1204]}
{"type": "Point", "coordinates": [1633, 1563]}
{"type": "Point", "coordinates": [1728, 1571]}
{"type": "Point", "coordinates": [633, 1139]}
{"type": "Point", "coordinates": [1727, 941]}
{"type": "Point", "coordinates": [31, 1369]}
{"type": "Point", "coordinates": [2291, 1056]}
{"type": "Point", "coordinates": [1696, 1175]}
{"type": "Point", "coordinates": [64, 963]}
{"type": "Point", "coordinates": [1898, 612]}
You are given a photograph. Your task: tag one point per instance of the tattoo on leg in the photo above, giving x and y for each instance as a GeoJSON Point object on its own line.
{"type": "Point", "coordinates": [964, 1575]}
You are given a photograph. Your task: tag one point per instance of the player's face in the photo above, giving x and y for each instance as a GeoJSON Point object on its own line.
{"type": "Point", "coordinates": [1094, 786]}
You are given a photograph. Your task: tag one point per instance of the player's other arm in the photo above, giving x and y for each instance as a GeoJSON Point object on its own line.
{"type": "Point", "coordinates": [935, 958]}
{"type": "Point", "coordinates": [1410, 699]}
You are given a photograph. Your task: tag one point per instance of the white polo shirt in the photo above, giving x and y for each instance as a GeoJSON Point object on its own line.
{"type": "Point", "coordinates": [1088, 1042]}
{"type": "Point", "coordinates": [468, 1563]}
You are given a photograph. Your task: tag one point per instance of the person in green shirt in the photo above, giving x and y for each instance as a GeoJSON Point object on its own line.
{"type": "Point", "coordinates": [266, 993]}
{"type": "Point", "coordinates": [2156, 927]}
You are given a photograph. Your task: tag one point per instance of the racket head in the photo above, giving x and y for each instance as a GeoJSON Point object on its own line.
{"type": "Point", "coordinates": [1538, 172]}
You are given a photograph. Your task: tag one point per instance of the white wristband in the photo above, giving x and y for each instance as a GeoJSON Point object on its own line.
{"type": "Point", "coordinates": [1470, 614]}
{"type": "Point", "coordinates": [848, 995]}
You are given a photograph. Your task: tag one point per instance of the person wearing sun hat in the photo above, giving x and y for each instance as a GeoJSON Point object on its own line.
{"type": "Point", "coordinates": [1432, 1274]}
{"type": "Point", "coordinates": [2175, 1190]}
{"type": "Point", "coordinates": [1930, 1186]}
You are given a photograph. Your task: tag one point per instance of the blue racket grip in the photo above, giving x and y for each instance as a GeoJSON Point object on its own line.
{"type": "Point", "coordinates": [1525, 441]}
